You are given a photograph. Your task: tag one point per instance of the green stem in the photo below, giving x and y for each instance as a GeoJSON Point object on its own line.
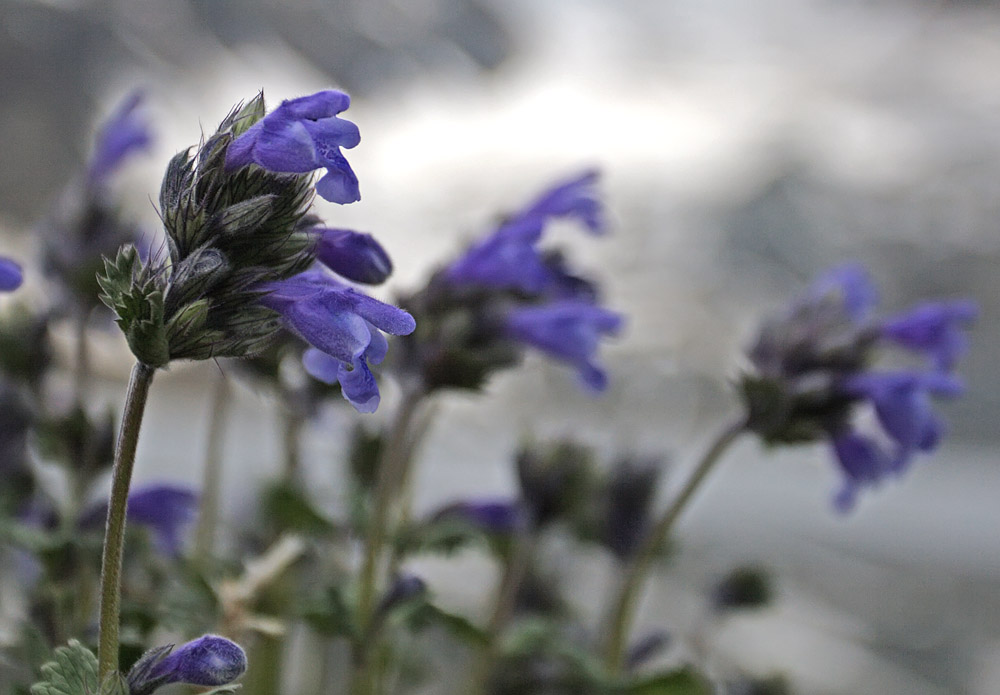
{"type": "Point", "coordinates": [514, 572]}
{"type": "Point", "coordinates": [211, 486]}
{"type": "Point", "coordinates": [391, 467]}
{"type": "Point", "coordinates": [114, 534]}
{"type": "Point", "coordinates": [623, 609]}
{"type": "Point", "coordinates": [81, 365]}
{"type": "Point", "coordinates": [291, 430]}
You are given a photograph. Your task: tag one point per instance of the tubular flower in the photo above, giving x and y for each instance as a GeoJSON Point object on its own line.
{"type": "Point", "coordinates": [164, 509]}
{"type": "Point", "coordinates": [300, 136]}
{"type": "Point", "coordinates": [568, 330]}
{"type": "Point", "coordinates": [813, 369]}
{"type": "Point", "coordinates": [126, 131]}
{"type": "Point", "coordinates": [352, 255]}
{"type": "Point", "coordinates": [208, 661]}
{"type": "Point", "coordinates": [11, 275]}
{"type": "Point", "coordinates": [510, 258]}
{"type": "Point", "coordinates": [343, 325]}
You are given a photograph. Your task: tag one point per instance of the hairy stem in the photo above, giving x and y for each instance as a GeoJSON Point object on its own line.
{"type": "Point", "coordinates": [620, 616]}
{"type": "Point", "coordinates": [114, 533]}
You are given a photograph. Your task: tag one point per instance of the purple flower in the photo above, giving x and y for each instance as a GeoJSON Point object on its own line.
{"type": "Point", "coordinates": [209, 661]}
{"type": "Point", "coordinates": [575, 198]}
{"type": "Point", "coordinates": [11, 276]}
{"type": "Point", "coordinates": [814, 368]}
{"type": "Point", "coordinates": [302, 135]}
{"type": "Point", "coordinates": [569, 330]}
{"type": "Point", "coordinates": [352, 255]}
{"type": "Point", "coordinates": [935, 329]}
{"type": "Point", "coordinates": [164, 509]}
{"type": "Point", "coordinates": [343, 325]}
{"type": "Point", "coordinates": [494, 516]}
{"type": "Point", "coordinates": [510, 258]}
{"type": "Point", "coordinates": [125, 132]}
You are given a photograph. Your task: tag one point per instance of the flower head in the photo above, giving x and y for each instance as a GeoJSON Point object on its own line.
{"type": "Point", "coordinates": [234, 233]}
{"type": "Point", "coordinates": [343, 325]}
{"type": "Point", "coordinates": [300, 136]}
{"type": "Point", "coordinates": [125, 132]}
{"type": "Point", "coordinates": [813, 368]}
{"type": "Point", "coordinates": [569, 330]}
{"type": "Point", "coordinates": [11, 275]}
{"type": "Point", "coordinates": [209, 661]}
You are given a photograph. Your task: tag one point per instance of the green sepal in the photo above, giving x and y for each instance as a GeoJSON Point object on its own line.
{"type": "Point", "coordinates": [72, 671]}
{"type": "Point", "coordinates": [130, 290]}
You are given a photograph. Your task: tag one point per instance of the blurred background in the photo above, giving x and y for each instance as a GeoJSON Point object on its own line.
{"type": "Point", "coordinates": [745, 146]}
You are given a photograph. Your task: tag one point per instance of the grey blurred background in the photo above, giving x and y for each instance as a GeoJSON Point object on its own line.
{"type": "Point", "coordinates": [745, 145]}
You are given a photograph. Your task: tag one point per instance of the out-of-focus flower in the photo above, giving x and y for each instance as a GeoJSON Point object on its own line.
{"type": "Point", "coordinates": [405, 588]}
{"type": "Point", "coordinates": [344, 325]}
{"type": "Point", "coordinates": [934, 329]}
{"type": "Point", "coordinates": [814, 367]}
{"type": "Point", "coordinates": [126, 131]}
{"type": "Point", "coordinates": [207, 661]}
{"type": "Point", "coordinates": [628, 497]}
{"type": "Point", "coordinates": [11, 275]}
{"type": "Point", "coordinates": [510, 259]}
{"type": "Point", "coordinates": [300, 136]}
{"type": "Point", "coordinates": [352, 255]}
{"type": "Point", "coordinates": [568, 330]}
{"type": "Point", "coordinates": [164, 509]}
{"type": "Point", "coordinates": [490, 515]}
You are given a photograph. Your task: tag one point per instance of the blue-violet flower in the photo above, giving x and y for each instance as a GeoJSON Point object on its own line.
{"type": "Point", "coordinates": [568, 330]}
{"type": "Point", "coordinates": [510, 258]}
{"type": "Point", "coordinates": [344, 325]}
{"type": "Point", "coordinates": [207, 661]}
{"type": "Point", "coordinates": [302, 135]}
{"type": "Point", "coordinates": [352, 255]}
{"type": "Point", "coordinates": [125, 132]}
{"type": "Point", "coordinates": [814, 366]}
{"type": "Point", "coordinates": [164, 509]}
{"type": "Point", "coordinates": [11, 276]}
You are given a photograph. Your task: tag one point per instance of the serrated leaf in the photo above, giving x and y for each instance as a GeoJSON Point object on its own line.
{"type": "Point", "coordinates": [73, 671]}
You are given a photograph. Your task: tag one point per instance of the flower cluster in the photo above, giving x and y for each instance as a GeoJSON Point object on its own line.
{"type": "Point", "coordinates": [814, 366]}
{"type": "Point", "coordinates": [506, 291]}
{"type": "Point", "coordinates": [240, 243]}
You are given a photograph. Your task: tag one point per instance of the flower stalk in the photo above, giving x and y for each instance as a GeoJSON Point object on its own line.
{"type": "Point", "coordinates": [623, 609]}
{"type": "Point", "coordinates": [114, 535]}
{"type": "Point", "coordinates": [391, 468]}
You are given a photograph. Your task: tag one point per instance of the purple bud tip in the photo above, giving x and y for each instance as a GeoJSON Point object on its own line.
{"type": "Point", "coordinates": [209, 660]}
{"type": "Point", "coordinates": [353, 255]}
{"type": "Point", "coordinates": [11, 276]}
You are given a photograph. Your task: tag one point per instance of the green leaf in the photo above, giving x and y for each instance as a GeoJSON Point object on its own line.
{"type": "Point", "coordinates": [329, 615]}
{"type": "Point", "coordinates": [73, 671]}
{"type": "Point", "coordinates": [459, 627]}
{"type": "Point", "coordinates": [682, 681]}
